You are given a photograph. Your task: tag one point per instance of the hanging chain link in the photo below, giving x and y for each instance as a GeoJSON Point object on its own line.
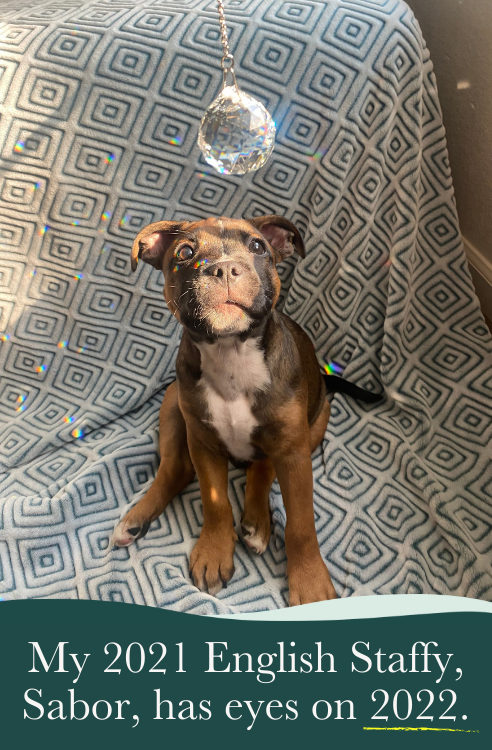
{"type": "Point", "coordinates": [223, 28]}
{"type": "Point", "coordinates": [227, 62]}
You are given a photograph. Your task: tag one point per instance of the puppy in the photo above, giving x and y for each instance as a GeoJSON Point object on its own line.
{"type": "Point", "coordinates": [248, 390]}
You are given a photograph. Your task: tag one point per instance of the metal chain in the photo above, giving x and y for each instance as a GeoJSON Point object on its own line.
{"type": "Point", "coordinates": [227, 62]}
{"type": "Point", "coordinates": [223, 28]}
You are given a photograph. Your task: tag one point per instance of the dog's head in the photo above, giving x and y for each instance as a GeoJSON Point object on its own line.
{"type": "Point", "coordinates": [220, 275]}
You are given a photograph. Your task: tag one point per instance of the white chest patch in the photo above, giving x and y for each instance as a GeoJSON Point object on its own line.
{"type": "Point", "coordinates": [232, 371]}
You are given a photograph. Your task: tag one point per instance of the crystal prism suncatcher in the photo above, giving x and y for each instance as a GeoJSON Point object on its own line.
{"type": "Point", "coordinates": [236, 133]}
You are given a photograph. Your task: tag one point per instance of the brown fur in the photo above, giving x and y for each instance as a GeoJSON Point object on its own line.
{"type": "Point", "coordinates": [291, 414]}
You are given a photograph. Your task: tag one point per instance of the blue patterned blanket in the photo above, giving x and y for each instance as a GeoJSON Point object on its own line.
{"type": "Point", "coordinates": [100, 106]}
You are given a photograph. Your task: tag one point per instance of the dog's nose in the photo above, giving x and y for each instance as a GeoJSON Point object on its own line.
{"type": "Point", "coordinates": [227, 271]}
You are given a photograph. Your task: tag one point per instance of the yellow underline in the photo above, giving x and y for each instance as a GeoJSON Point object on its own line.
{"type": "Point", "coordinates": [417, 729]}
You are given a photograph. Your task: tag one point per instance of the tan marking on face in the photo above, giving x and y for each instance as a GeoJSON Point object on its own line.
{"type": "Point", "coordinates": [222, 305]}
{"type": "Point", "coordinates": [277, 286]}
{"type": "Point", "coordinates": [169, 299]}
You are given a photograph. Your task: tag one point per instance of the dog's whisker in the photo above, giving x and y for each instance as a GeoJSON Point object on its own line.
{"type": "Point", "coordinates": [168, 302]}
{"type": "Point", "coordinates": [212, 327]}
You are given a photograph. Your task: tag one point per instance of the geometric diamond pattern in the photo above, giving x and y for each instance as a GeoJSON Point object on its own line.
{"type": "Point", "coordinates": [101, 104]}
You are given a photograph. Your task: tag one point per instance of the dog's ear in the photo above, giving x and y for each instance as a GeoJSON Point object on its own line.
{"type": "Point", "coordinates": [152, 242]}
{"type": "Point", "coordinates": [282, 235]}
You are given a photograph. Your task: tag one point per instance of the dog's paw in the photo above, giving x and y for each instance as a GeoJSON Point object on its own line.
{"type": "Point", "coordinates": [310, 582]}
{"type": "Point", "coordinates": [212, 560]}
{"type": "Point", "coordinates": [256, 536]}
{"type": "Point", "coordinates": [128, 531]}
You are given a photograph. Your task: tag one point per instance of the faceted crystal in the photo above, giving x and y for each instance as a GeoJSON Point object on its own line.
{"type": "Point", "coordinates": [236, 133]}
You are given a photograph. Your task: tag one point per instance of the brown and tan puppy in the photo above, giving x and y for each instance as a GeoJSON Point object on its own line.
{"type": "Point", "coordinates": [248, 389]}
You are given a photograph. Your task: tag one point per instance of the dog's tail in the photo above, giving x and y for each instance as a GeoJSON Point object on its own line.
{"type": "Point", "coordinates": [334, 384]}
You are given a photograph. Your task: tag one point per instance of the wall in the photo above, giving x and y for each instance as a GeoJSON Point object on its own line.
{"type": "Point", "coordinates": [459, 37]}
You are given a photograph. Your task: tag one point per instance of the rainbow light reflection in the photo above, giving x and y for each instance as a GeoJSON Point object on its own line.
{"type": "Point", "coordinates": [200, 263]}
{"type": "Point", "coordinates": [317, 156]}
{"type": "Point", "coordinates": [21, 403]}
{"type": "Point", "coordinates": [333, 368]}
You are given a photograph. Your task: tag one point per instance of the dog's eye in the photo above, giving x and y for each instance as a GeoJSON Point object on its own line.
{"type": "Point", "coordinates": [185, 252]}
{"type": "Point", "coordinates": [256, 247]}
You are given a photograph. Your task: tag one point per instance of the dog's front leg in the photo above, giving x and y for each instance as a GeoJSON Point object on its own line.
{"type": "Point", "coordinates": [212, 559]}
{"type": "Point", "coordinates": [255, 522]}
{"type": "Point", "coordinates": [309, 580]}
{"type": "Point", "coordinates": [175, 472]}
